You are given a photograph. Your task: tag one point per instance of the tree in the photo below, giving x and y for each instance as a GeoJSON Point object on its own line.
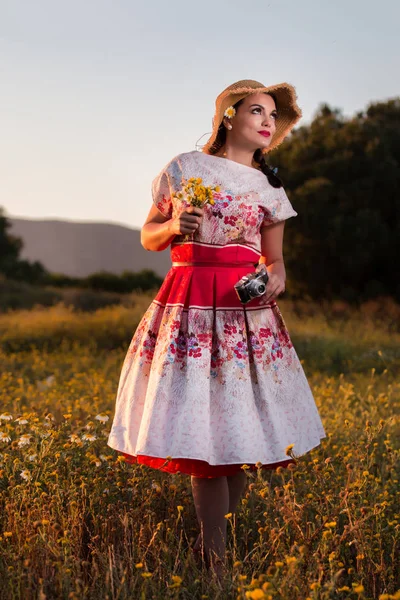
{"type": "Point", "coordinates": [10, 264]}
{"type": "Point", "coordinates": [343, 178]}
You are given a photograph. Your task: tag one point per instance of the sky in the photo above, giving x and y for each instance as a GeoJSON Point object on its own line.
{"type": "Point", "coordinates": [97, 96]}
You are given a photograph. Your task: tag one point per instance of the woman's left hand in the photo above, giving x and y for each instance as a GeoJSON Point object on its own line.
{"type": "Point", "coordinates": [275, 284]}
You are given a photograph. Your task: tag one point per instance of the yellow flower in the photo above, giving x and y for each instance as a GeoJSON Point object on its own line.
{"type": "Point", "coordinates": [230, 112]}
{"type": "Point", "coordinates": [288, 449]}
{"type": "Point", "coordinates": [228, 515]}
{"type": "Point", "coordinates": [257, 594]}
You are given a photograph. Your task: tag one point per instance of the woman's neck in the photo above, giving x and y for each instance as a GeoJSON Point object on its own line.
{"type": "Point", "coordinates": [240, 156]}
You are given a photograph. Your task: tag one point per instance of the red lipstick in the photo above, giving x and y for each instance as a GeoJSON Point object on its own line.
{"type": "Point", "coordinates": [265, 133]}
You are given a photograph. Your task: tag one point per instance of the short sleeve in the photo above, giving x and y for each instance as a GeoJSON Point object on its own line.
{"type": "Point", "coordinates": [277, 207]}
{"type": "Point", "coordinates": [166, 184]}
{"type": "Point", "coordinates": [161, 192]}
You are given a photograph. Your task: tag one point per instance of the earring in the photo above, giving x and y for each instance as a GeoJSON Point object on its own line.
{"type": "Point", "coordinates": [229, 126]}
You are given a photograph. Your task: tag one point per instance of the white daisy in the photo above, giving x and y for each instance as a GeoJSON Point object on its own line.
{"type": "Point", "coordinates": [21, 421]}
{"type": "Point", "coordinates": [24, 440]}
{"type": "Point", "coordinates": [89, 437]}
{"type": "Point", "coordinates": [25, 474]}
{"type": "Point", "coordinates": [102, 418]}
{"type": "Point", "coordinates": [4, 437]}
{"type": "Point", "coordinates": [230, 112]}
{"type": "Point", "coordinates": [6, 416]}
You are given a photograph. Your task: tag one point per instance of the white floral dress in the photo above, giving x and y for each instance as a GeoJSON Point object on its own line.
{"type": "Point", "coordinates": [209, 384]}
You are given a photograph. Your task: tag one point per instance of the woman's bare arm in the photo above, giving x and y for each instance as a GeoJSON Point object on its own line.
{"type": "Point", "coordinates": [158, 231]}
{"type": "Point", "coordinates": [272, 257]}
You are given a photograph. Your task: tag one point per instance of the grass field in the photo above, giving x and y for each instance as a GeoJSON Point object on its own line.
{"type": "Point", "coordinates": [76, 521]}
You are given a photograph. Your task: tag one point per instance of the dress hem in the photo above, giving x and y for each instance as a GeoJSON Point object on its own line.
{"type": "Point", "coordinates": [198, 467]}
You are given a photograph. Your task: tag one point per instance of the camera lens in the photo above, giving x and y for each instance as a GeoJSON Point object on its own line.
{"type": "Point", "coordinates": [261, 289]}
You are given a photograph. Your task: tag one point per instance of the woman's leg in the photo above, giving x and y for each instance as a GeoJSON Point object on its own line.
{"type": "Point", "coordinates": [211, 499]}
{"type": "Point", "coordinates": [237, 484]}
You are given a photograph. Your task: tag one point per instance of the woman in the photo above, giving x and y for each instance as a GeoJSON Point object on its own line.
{"type": "Point", "coordinates": [209, 383]}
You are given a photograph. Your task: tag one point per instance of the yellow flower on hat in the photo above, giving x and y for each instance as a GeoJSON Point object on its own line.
{"type": "Point", "coordinates": [230, 112]}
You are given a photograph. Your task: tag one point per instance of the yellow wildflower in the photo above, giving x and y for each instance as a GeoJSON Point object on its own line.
{"type": "Point", "coordinates": [256, 594]}
{"type": "Point", "coordinates": [288, 449]}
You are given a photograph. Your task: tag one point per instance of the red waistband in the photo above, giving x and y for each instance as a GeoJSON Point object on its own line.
{"type": "Point", "coordinates": [213, 264]}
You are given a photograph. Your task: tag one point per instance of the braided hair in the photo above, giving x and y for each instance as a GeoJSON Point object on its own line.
{"type": "Point", "coordinates": [258, 156]}
{"type": "Point", "coordinates": [271, 175]}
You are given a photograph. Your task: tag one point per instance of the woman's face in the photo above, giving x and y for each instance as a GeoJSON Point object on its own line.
{"type": "Point", "coordinates": [254, 119]}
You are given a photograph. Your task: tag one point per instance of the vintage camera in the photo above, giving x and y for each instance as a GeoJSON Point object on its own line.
{"type": "Point", "coordinates": [252, 285]}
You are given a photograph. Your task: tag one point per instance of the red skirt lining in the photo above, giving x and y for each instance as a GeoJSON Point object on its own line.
{"type": "Point", "coordinates": [198, 468]}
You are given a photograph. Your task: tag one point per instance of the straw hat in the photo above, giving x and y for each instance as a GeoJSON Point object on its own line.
{"type": "Point", "coordinates": [286, 104]}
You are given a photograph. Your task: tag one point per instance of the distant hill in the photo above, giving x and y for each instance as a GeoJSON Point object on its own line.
{"type": "Point", "coordinates": [79, 249]}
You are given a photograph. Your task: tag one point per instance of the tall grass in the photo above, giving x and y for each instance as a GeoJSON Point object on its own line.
{"type": "Point", "coordinates": [77, 521]}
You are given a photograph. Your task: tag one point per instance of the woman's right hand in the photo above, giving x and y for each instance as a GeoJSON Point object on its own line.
{"type": "Point", "coordinates": [188, 221]}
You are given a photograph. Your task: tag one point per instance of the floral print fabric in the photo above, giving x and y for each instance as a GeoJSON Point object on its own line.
{"type": "Point", "coordinates": [246, 202]}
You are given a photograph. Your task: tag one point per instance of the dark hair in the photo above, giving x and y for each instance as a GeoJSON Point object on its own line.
{"type": "Point", "coordinates": [258, 156]}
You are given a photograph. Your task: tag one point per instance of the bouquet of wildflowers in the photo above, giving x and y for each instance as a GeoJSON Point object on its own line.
{"type": "Point", "coordinates": [194, 193]}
